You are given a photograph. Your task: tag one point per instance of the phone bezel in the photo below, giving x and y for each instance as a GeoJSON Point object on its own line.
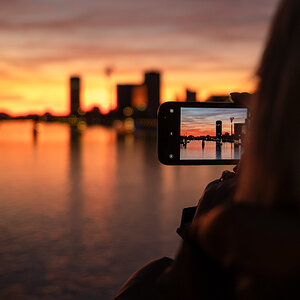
{"type": "Point", "coordinates": [168, 143]}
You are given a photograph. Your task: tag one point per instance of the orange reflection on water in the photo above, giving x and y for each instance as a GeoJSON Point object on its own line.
{"type": "Point", "coordinates": [79, 212]}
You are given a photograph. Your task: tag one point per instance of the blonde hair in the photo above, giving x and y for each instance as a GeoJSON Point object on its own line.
{"type": "Point", "coordinates": [270, 173]}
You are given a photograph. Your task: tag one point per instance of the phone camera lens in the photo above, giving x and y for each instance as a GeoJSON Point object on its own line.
{"type": "Point", "coordinates": [171, 156]}
{"type": "Point", "coordinates": [171, 110]}
{"type": "Point", "coordinates": [171, 133]}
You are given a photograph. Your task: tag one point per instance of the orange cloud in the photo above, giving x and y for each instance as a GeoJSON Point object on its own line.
{"type": "Point", "coordinates": [211, 47]}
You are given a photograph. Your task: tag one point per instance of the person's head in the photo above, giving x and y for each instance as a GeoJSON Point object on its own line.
{"type": "Point", "coordinates": [271, 169]}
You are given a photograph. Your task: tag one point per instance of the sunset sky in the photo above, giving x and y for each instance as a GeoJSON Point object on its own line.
{"type": "Point", "coordinates": [202, 121]}
{"type": "Point", "coordinates": [212, 46]}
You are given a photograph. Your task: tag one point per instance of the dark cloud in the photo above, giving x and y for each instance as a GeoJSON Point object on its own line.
{"type": "Point", "coordinates": [178, 59]}
{"type": "Point", "coordinates": [219, 19]}
{"type": "Point", "coordinates": [179, 35]}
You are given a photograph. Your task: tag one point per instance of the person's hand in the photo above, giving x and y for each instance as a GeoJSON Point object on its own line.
{"type": "Point", "coordinates": [245, 99]}
{"type": "Point", "coordinates": [222, 190]}
{"type": "Point", "coordinates": [217, 192]}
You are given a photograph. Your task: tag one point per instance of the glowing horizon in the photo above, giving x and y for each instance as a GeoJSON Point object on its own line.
{"type": "Point", "coordinates": [207, 46]}
{"type": "Point", "coordinates": [94, 92]}
{"type": "Point", "coordinates": [202, 121]}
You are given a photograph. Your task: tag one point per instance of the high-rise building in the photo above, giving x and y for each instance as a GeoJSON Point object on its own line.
{"type": "Point", "coordinates": [74, 96]}
{"type": "Point", "coordinates": [190, 96]}
{"type": "Point", "coordinates": [239, 130]}
{"type": "Point", "coordinates": [124, 97]}
{"type": "Point", "coordinates": [143, 98]}
{"type": "Point", "coordinates": [152, 82]}
{"type": "Point", "coordinates": [219, 129]}
{"type": "Point", "coordinates": [139, 99]}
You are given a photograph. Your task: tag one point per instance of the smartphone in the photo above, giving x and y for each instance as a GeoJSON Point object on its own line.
{"type": "Point", "coordinates": [201, 133]}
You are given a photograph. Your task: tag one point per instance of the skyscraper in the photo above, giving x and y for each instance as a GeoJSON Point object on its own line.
{"type": "Point", "coordinates": [74, 96]}
{"type": "Point", "coordinates": [219, 129]}
{"type": "Point", "coordinates": [190, 96]}
{"type": "Point", "coordinates": [152, 82]}
{"type": "Point", "coordinates": [124, 97]}
{"type": "Point", "coordinates": [238, 130]}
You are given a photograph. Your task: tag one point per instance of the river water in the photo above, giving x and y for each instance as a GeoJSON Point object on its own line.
{"type": "Point", "coordinates": [79, 214]}
{"type": "Point", "coordinates": [196, 149]}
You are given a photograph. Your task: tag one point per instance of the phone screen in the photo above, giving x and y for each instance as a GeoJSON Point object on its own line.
{"type": "Point", "coordinates": [212, 133]}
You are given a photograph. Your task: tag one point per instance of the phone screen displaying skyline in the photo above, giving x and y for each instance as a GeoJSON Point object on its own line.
{"type": "Point", "coordinates": [212, 133]}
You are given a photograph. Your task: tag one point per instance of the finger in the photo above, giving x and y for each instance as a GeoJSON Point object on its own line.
{"type": "Point", "coordinates": [241, 98]}
{"type": "Point", "coordinates": [227, 175]}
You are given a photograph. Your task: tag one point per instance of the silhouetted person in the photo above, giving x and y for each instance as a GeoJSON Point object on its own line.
{"type": "Point", "coordinates": [244, 240]}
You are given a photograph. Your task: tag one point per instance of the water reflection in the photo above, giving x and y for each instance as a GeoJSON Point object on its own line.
{"type": "Point", "coordinates": [218, 150]}
{"type": "Point", "coordinates": [237, 151]}
{"type": "Point", "coordinates": [80, 212]}
{"type": "Point", "coordinates": [76, 196]}
{"type": "Point", "coordinates": [197, 149]}
{"type": "Point", "coordinates": [137, 174]}
{"type": "Point", "coordinates": [35, 132]}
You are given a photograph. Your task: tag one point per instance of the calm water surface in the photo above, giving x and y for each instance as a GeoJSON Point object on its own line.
{"type": "Point", "coordinates": [210, 150]}
{"type": "Point", "coordinates": [79, 214]}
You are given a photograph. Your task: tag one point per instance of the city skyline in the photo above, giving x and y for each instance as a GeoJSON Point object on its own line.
{"type": "Point", "coordinates": [211, 47]}
{"type": "Point", "coordinates": [202, 121]}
